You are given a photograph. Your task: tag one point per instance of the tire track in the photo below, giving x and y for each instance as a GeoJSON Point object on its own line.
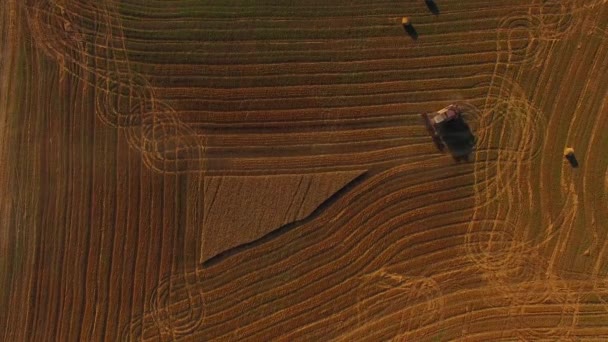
{"type": "Point", "coordinates": [124, 99]}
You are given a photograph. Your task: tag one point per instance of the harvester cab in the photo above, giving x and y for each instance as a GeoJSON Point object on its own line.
{"type": "Point", "coordinates": [446, 114]}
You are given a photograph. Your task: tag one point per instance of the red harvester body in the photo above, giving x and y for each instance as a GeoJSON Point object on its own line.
{"type": "Point", "coordinates": [434, 120]}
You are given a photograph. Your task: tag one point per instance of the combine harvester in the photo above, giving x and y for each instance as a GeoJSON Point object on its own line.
{"type": "Point", "coordinates": [448, 130]}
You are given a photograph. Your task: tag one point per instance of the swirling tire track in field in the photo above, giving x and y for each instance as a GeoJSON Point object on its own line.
{"type": "Point", "coordinates": [544, 22]}
{"type": "Point", "coordinates": [510, 128]}
{"type": "Point", "coordinates": [521, 23]}
{"type": "Point", "coordinates": [124, 99]}
{"type": "Point", "coordinates": [554, 292]}
{"type": "Point", "coordinates": [56, 32]}
{"type": "Point", "coordinates": [177, 309]}
{"type": "Point", "coordinates": [509, 125]}
{"type": "Point", "coordinates": [163, 311]}
{"type": "Point", "coordinates": [167, 144]}
{"type": "Point", "coordinates": [399, 292]}
{"type": "Point", "coordinates": [546, 287]}
{"type": "Point", "coordinates": [519, 147]}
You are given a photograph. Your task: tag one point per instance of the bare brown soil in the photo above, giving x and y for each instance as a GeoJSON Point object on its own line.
{"type": "Point", "coordinates": [246, 170]}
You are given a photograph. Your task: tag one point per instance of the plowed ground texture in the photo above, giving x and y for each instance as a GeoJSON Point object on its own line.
{"type": "Point", "coordinates": [257, 170]}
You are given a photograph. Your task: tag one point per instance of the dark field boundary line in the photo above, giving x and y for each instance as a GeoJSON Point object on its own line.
{"type": "Point", "coordinates": [288, 227]}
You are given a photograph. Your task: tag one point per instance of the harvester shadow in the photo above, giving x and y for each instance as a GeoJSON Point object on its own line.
{"type": "Point", "coordinates": [572, 160]}
{"type": "Point", "coordinates": [411, 31]}
{"type": "Point", "coordinates": [432, 6]}
{"type": "Point", "coordinates": [458, 138]}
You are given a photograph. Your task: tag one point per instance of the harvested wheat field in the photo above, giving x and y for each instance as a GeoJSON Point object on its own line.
{"type": "Point", "coordinates": [257, 170]}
